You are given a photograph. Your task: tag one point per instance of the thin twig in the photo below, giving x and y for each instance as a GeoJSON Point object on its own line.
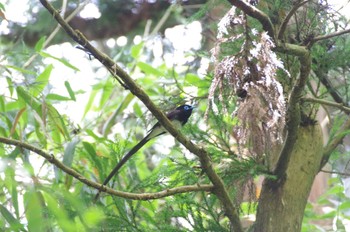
{"type": "Point", "coordinates": [327, 103]}
{"type": "Point", "coordinates": [335, 172]}
{"type": "Point", "coordinates": [78, 176]}
{"type": "Point", "coordinates": [323, 37]}
{"type": "Point", "coordinates": [325, 80]}
{"type": "Point", "coordinates": [288, 17]}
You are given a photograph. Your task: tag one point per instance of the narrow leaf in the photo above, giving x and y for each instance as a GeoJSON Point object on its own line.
{"type": "Point", "coordinates": [61, 60]}
{"type": "Point", "coordinates": [28, 99]}
{"type": "Point", "coordinates": [149, 70]}
{"type": "Point", "coordinates": [56, 121]}
{"type": "Point", "coordinates": [57, 97]}
{"type": "Point", "coordinates": [136, 50]}
{"type": "Point", "coordinates": [93, 156]}
{"type": "Point", "coordinates": [41, 81]}
{"type": "Point", "coordinates": [70, 90]}
{"type": "Point", "coordinates": [69, 152]}
{"type": "Point", "coordinates": [33, 211]}
{"type": "Point", "coordinates": [10, 219]}
{"type": "Point", "coordinates": [19, 69]}
{"type": "Point", "coordinates": [40, 44]}
{"type": "Point", "coordinates": [90, 102]}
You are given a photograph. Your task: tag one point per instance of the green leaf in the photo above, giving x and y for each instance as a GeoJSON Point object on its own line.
{"type": "Point", "coordinates": [33, 211]}
{"type": "Point", "coordinates": [106, 92]}
{"type": "Point", "coordinates": [63, 61]}
{"type": "Point", "coordinates": [149, 70]}
{"type": "Point", "coordinates": [56, 121]}
{"type": "Point", "coordinates": [136, 50]}
{"type": "Point", "coordinates": [70, 90]}
{"type": "Point", "coordinates": [15, 224]}
{"type": "Point", "coordinates": [57, 97]}
{"type": "Point", "coordinates": [2, 104]}
{"type": "Point", "coordinates": [28, 99]}
{"type": "Point", "coordinates": [40, 44]}
{"type": "Point", "coordinates": [41, 81]}
{"type": "Point", "coordinates": [69, 152]}
{"type": "Point", "coordinates": [10, 85]}
{"type": "Point", "coordinates": [137, 110]}
{"type": "Point", "coordinates": [60, 214]}
{"type": "Point", "coordinates": [93, 216]}
{"type": "Point", "coordinates": [2, 7]}
{"type": "Point", "coordinates": [10, 179]}
{"type": "Point", "coordinates": [95, 159]}
{"type": "Point", "coordinates": [19, 69]}
{"type": "Point", "coordinates": [195, 80]}
{"type": "Point", "coordinates": [90, 102]}
{"type": "Point", "coordinates": [192, 78]}
{"type": "Point", "coordinates": [344, 206]}
{"type": "Point", "coordinates": [39, 133]}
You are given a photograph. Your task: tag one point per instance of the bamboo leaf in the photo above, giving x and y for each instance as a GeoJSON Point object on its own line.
{"type": "Point", "coordinates": [70, 90]}
{"type": "Point", "coordinates": [149, 70]}
{"type": "Point", "coordinates": [57, 97]}
{"type": "Point", "coordinates": [40, 44]}
{"type": "Point", "coordinates": [41, 82]}
{"type": "Point", "coordinates": [15, 224]}
{"type": "Point", "coordinates": [61, 60]}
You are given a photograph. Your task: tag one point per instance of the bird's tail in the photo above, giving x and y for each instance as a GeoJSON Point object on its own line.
{"type": "Point", "coordinates": [122, 162]}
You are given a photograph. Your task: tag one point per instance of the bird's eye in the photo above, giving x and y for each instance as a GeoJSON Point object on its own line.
{"type": "Point", "coordinates": [186, 108]}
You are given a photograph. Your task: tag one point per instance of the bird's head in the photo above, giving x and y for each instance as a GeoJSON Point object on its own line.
{"type": "Point", "coordinates": [185, 112]}
{"type": "Point", "coordinates": [185, 108]}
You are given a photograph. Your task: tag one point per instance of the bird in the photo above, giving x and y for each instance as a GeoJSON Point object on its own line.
{"type": "Point", "coordinates": [178, 117]}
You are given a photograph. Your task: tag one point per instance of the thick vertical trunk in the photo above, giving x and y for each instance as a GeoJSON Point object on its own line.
{"type": "Point", "coordinates": [281, 207]}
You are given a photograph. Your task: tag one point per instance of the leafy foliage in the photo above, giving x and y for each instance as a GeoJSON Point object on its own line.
{"type": "Point", "coordinates": [90, 126]}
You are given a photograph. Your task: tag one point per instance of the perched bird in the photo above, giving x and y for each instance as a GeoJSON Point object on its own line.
{"type": "Point", "coordinates": [178, 117]}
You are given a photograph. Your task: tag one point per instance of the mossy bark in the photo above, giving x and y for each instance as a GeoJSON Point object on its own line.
{"type": "Point", "coordinates": [281, 206]}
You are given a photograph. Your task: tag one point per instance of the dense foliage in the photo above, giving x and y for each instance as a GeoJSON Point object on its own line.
{"type": "Point", "coordinates": [66, 104]}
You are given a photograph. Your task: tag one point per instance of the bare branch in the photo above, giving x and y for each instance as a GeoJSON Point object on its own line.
{"type": "Point", "coordinates": [323, 37]}
{"type": "Point", "coordinates": [288, 17]}
{"type": "Point", "coordinates": [338, 173]}
{"type": "Point", "coordinates": [328, 103]}
{"type": "Point", "coordinates": [323, 77]}
{"type": "Point", "coordinates": [219, 188]}
{"type": "Point", "coordinates": [257, 14]}
{"type": "Point", "coordinates": [78, 176]}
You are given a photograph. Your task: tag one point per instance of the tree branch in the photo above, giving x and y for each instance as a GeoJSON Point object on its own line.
{"type": "Point", "coordinates": [328, 103]}
{"type": "Point", "coordinates": [335, 172]}
{"type": "Point", "coordinates": [78, 176]}
{"type": "Point", "coordinates": [322, 76]}
{"type": "Point", "coordinates": [288, 17]}
{"type": "Point", "coordinates": [293, 111]}
{"type": "Point", "coordinates": [323, 37]}
{"type": "Point", "coordinates": [219, 188]}
{"type": "Point", "coordinates": [337, 139]}
{"type": "Point", "coordinates": [257, 14]}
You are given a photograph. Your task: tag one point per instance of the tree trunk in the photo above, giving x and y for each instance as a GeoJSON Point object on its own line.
{"type": "Point", "coordinates": [281, 207]}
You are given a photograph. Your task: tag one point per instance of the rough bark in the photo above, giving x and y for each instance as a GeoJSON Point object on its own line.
{"type": "Point", "coordinates": [285, 213]}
